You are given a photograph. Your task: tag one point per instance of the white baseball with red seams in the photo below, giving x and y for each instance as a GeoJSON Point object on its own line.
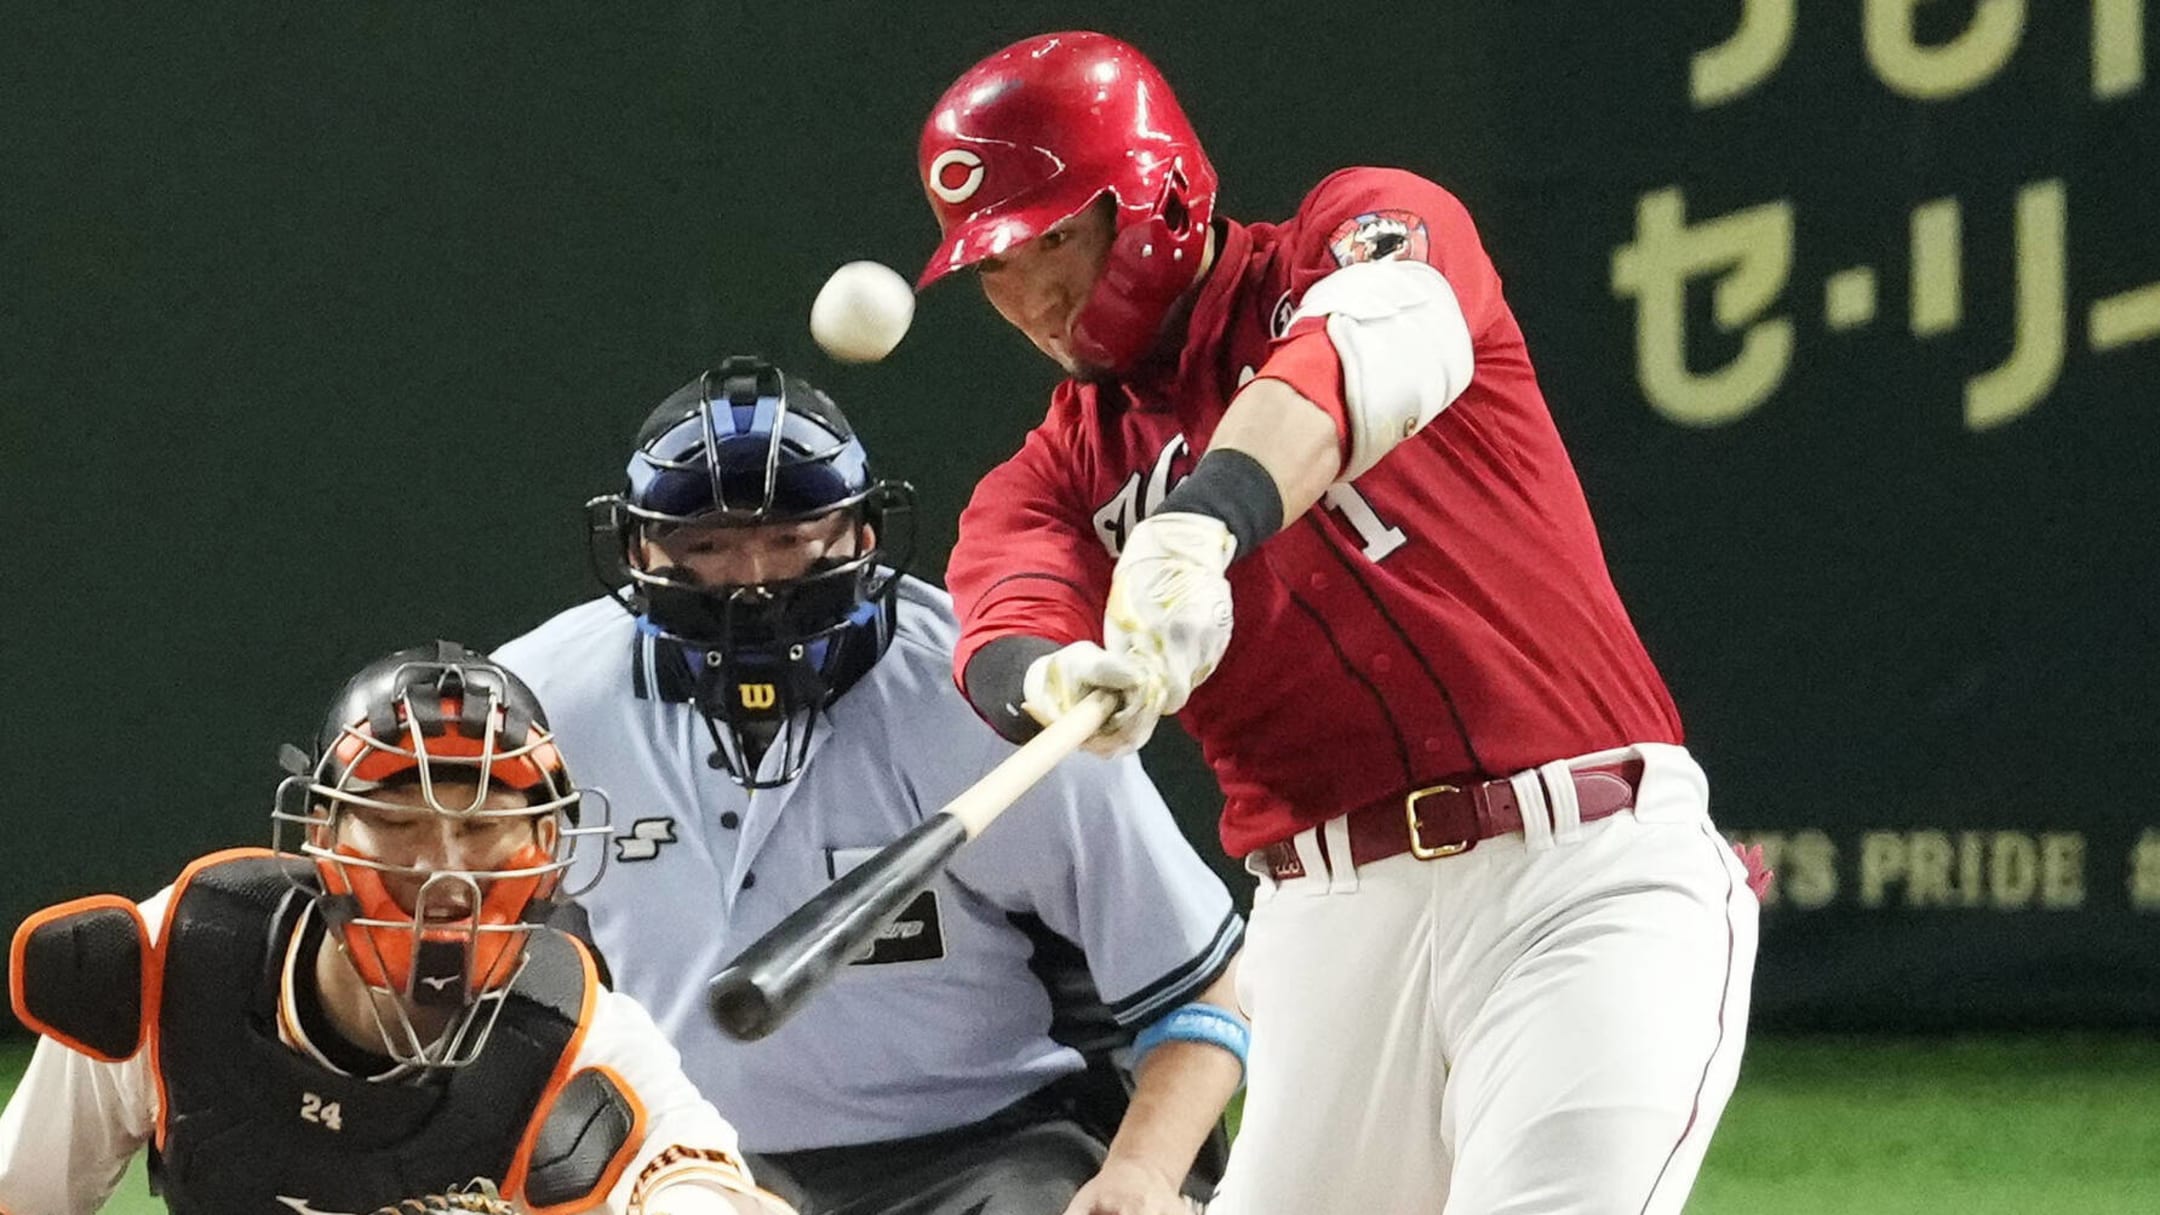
{"type": "Point", "coordinates": [862, 312]}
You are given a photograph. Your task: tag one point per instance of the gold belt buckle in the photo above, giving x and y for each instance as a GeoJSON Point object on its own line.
{"type": "Point", "coordinates": [1418, 847]}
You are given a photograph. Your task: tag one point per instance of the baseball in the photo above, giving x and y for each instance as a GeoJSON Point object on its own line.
{"type": "Point", "coordinates": [862, 312]}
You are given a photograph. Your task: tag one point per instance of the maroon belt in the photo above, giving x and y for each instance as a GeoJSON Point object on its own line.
{"type": "Point", "coordinates": [1445, 820]}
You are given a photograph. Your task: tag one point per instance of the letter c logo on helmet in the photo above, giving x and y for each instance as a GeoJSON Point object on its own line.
{"type": "Point", "coordinates": [955, 175]}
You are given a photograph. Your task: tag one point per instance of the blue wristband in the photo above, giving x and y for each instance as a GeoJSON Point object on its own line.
{"type": "Point", "coordinates": [1196, 1022]}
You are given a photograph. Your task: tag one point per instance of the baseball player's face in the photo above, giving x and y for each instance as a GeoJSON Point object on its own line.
{"type": "Point", "coordinates": [1040, 287]}
{"type": "Point", "coordinates": [718, 556]}
{"type": "Point", "coordinates": [427, 840]}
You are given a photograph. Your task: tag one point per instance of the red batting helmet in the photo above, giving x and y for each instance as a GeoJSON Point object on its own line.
{"type": "Point", "coordinates": [1034, 135]}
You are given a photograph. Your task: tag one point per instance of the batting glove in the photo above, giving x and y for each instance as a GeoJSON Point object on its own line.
{"type": "Point", "coordinates": [1059, 680]}
{"type": "Point", "coordinates": [1169, 605]}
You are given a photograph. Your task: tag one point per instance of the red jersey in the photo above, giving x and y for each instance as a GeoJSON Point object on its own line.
{"type": "Point", "coordinates": [1448, 617]}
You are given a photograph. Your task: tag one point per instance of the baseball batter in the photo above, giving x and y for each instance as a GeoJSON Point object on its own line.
{"type": "Point", "coordinates": [374, 1012]}
{"type": "Point", "coordinates": [768, 705]}
{"type": "Point", "coordinates": [1499, 958]}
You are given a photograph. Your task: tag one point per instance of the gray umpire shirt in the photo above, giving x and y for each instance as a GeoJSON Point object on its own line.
{"type": "Point", "coordinates": [944, 1023]}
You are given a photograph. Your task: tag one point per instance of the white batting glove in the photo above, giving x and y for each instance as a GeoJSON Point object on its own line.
{"type": "Point", "coordinates": [1059, 680]}
{"type": "Point", "coordinates": [1169, 603]}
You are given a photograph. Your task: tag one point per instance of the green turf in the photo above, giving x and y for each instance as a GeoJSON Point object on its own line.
{"type": "Point", "coordinates": [2031, 1126]}
{"type": "Point", "coordinates": [2060, 1125]}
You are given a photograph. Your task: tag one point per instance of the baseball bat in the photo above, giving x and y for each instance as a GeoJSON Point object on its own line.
{"type": "Point", "coordinates": [764, 986]}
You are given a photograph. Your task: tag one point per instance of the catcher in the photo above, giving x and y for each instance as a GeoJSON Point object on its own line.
{"type": "Point", "coordinates": [374, 1015]}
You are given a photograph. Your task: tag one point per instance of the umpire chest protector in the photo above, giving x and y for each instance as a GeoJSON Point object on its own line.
{"type": "Point", "coordinates": [248, 1121]}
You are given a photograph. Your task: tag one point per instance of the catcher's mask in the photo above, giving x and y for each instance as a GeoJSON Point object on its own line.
{"type": "Point", "coordinates": [439, 819]}
{"type": "Point", "coordinates": [747, 446]}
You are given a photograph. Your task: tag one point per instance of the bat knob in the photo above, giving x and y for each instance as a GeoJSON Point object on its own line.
{"type": "Point", "coordinates": [744, 1011]}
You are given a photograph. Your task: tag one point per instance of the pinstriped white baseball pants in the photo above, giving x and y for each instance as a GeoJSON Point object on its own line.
{"type": "Point", "coordinates": [1549, 1024]}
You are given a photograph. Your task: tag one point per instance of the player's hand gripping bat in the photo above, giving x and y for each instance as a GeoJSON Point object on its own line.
{"type": "Point", "coordinates": [763, 987]}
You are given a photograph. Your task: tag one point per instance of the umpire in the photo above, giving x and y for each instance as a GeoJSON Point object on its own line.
{"type": "Point", "coordinates": [766, 699]}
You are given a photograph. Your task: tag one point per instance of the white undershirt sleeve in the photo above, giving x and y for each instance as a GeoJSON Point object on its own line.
{"type": "Point", "coordinates": [623, 1038]}
{"type": "Point", "coordinates": [75, 1122]}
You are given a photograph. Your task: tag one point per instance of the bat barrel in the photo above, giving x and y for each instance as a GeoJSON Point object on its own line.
{"type": "Point", "coordinates": [763, 987]}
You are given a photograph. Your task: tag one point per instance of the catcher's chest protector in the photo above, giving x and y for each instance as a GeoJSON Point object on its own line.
{"type": "Point", "coordinates": [252, 1126]}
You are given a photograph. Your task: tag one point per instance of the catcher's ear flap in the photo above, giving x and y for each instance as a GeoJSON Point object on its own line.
{"type": "Point", "coordinates": [586, 1134]}
{"type": "Point", "coordinates": [81, 974]}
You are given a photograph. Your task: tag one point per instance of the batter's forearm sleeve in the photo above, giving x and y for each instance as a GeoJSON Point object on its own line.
{"type": "Point", "coordinates": [1231, 486]}
{"type": "Point", "coordinates": [996, 679]}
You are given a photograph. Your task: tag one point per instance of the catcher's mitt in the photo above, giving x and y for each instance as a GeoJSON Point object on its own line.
{"type": "Point", "coordinates": [477, 1195]}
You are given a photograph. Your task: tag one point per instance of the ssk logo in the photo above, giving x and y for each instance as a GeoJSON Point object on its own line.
{"type": "Point", "coordinates": [1136, 500]}
{"type": "Point", "coordinates": [643, 842]}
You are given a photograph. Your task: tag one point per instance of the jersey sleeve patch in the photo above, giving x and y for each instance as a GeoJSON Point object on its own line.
{"type": "Point", "coordinates": [587, 1136]}
{"type": "Point", "coordinates": [1380, 236]}
{"type": "Point", "coordinates": [79, 973]}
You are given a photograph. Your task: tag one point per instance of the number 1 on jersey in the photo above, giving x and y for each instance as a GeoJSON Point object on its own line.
{"type": "Point", "coordinates": [1379, 538]}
